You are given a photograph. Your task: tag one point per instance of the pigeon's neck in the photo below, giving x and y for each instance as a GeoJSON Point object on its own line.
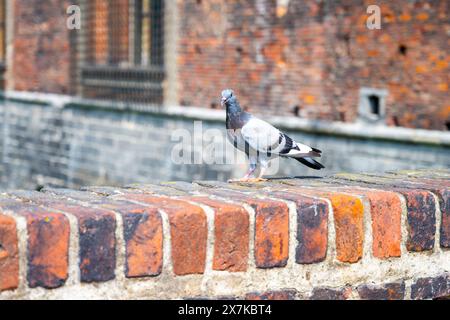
{"type": "Point", "coordinates": [234, 108]}
{"type": "Point", "coordinates": [236, 118]}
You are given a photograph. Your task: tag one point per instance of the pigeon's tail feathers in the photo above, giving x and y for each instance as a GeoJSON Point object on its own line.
{"type": "Point", "coordinates": [314, 153]}
{"type": "Point", "coordinates": [311, 163]}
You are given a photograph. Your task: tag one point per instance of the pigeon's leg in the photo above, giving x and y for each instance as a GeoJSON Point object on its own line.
{"type": "Point", "coordinates": [264, 165]}
{"type": "Point", "coordinates": [250, 171]}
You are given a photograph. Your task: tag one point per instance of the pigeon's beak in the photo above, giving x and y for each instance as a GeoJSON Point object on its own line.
{"type": "Point", "coordinates": [223, 101]}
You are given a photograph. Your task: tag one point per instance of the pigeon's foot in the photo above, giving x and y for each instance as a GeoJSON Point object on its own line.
{"type": "Point", "coordinates": [251, 180]}
{"type": "Point", "coordinates": [239, 180]}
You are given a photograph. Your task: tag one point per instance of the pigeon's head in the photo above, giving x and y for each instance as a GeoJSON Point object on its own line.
{"type": "Point", "coordinates": [228, 97]}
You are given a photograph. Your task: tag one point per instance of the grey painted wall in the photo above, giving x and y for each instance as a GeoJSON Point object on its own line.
{"type": "Point", "coordinates": [72, 146]}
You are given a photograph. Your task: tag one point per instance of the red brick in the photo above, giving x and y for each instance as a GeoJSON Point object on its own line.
{"type": "Point", "coordinates": [271, 227]}
{"type": "Point", "coordinates": [421, 220]}
{"type": "Point", "coordinates": [9, 254]}
{"type": "Point", "coordinates": [143, 234]}
{"type": "Point", "coordinates": [271, 234]}
{"type": "Point", "coordinates": [348, 219]}
{"type": "Point", "coordinates": [96, 233]}
{"type": "Point", "coordinates": [348, 212]}
{"type": "Point", "coordinates": [431, 287]}
{"type": "Point", "coordinates": [231, 229]}
{"type": "Point", "coordinates": [188, 231]}
{"type": "Point", "coordinates": [97, 242]}
{"type": "Point", "coordinates": [47, 245]}
{"type": "Point", "coordinates": [144, 252]}
{"type": "Point", "coordinates": [312, 227]}
{"type": "Point", "coordinates": [389, 291]}
{"type": "Point", "coordinates": [331, 293]}
{"type": "Point", "coordinates": [386, 214]}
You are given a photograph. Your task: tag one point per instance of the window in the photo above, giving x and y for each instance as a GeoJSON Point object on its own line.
{"type": "Point", "coordinates": [371, 107]}
{"type": "Point", "coordinates": [121, 50]}
{"type": "Point", "coordinates": [374, 104]}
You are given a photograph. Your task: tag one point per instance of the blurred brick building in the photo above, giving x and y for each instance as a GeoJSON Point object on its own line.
{"type": "Point", "coordinates": [313, 59]}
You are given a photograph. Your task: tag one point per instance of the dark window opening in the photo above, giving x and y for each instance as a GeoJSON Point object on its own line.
{"type": "Point", "coordinates": [447, 124]}
{"type": "Point", "coordinates": [296, 110]}
{"type": "Point", "coordinates": [402, 49]}
{"type": "Point", "coordinates": [374, 104]}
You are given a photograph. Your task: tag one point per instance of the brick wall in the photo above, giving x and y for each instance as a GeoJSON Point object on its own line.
{"type": "Point", "coordinates": [309, 58]}
{"type": "Point", "coordinates": [42, 51]}
{"type": "Point", "coordinates": [316, 55]}
{"type": "Point", "coordinates": [340, 237]}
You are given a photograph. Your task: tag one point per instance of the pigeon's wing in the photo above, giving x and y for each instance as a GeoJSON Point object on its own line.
{"type": "Point", "coordinates": [264, 137]}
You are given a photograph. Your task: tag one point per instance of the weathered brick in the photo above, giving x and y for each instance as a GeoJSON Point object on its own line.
{"type": "Point", "coordinates": [9, 254]}
{"type": "Point", "coordinates": [271, 226]}
{"type": "Point", "coordinates": [348, 212]}
{"type": "Point", "coordinates": [271, 234]}
{"type": "Point", "coordinates": [386, 215]}
{"type": "Point", "coordinates": [389, 291]}
{"type": "Point", "coordinates": [47, 244]}
{"type": "Point", "coordinates": [312, 231]}
{"type": "Point", "coordinates": [421, 220]}
{"type": "Point", "coordinates": [312, 227]}
{"type": "Point", "coordinates": [143, 235]}
{"type": "Point", "coordinates": [188, 231]}
{"type": "Point", "coordinates": [431, 287]}
{"type": "Point", "coordinates": [96, 233]}
{"type": "Point", "coordinates": [331, 293]}
{"type": "Point", "coordinates": [289, 294]}
{"type": "Point", "coordinates": [97, 242]}
{"type": "Point", "coordinates": [142, 229]}
{"type": "Point", "coordinates": [348, 219]}
{"type": "Point", "coordinates": [231, 228]}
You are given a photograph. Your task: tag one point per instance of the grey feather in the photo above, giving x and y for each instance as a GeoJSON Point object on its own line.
{"type": "Point", "coordinates": [257, 137]}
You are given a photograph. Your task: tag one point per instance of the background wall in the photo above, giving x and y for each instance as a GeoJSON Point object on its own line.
{"type": "Point", "coordinates": [308, 57]}
{"type": "Point", "coordinates": [317, 55]}
{"type": "Point", "coordinates": [42, 51]}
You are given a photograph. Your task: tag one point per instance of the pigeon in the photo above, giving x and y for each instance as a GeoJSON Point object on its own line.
{"type": "Point", "coordinates": [261, 141]}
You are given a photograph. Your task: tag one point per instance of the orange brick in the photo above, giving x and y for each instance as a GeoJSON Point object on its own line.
{"type": "Point", "coordinates": [144, 241]}
{"type": "Point", "coordinates": [48, 248]}
{"type": "Point", "coordinates": [348, 212]}
{"type": "Point", "coordinates": [271, 234]}
{"type": "Point", "coordinates": [386, 213]}
{"type": "Point", "coordinates": [9, 254]}
{"type": "Point", "coordinates": [48, 244]}
{"type": "Point", "coordinates": [231, 227]}
{"type": "Point", "coordinates": [188, 231]}
{"type": "Point", "coordinates": [271, 228]}
{"type": "Point", "coordinates": [348, 219]}
{"type": "Point", "coordinates": [312, 227]}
